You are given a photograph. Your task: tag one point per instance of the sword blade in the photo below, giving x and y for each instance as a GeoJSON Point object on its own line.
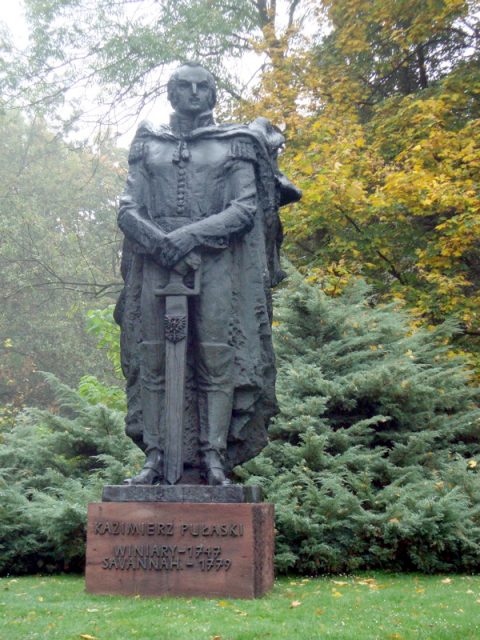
{"type": "Point", "coordinates": [176, 332]}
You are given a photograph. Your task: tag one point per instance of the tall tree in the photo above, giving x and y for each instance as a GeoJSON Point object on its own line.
{"type": "Point", "coordinates": [58, 252]}
{"type": "Point", "coordinates": [123, 47]}
{"type": "Point", "coordinates": [396, 47]}
{"type": "Point", "coordinates": [385, 144]}
{"type": "Point", "coordinates": [381, 110]}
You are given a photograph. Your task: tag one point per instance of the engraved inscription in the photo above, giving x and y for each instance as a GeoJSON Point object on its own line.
{"type": "Point", "coordinates": [155, 557]}
{"type": "Point", "coordinates": [167, 557]}
{"type": "Point", "coordinates": [221, 530]}
{"type": "Point", "coordinates": [116, 528]}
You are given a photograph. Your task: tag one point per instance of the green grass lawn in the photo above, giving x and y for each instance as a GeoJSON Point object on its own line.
{"type": "Point", "coordinates": [361, 607]}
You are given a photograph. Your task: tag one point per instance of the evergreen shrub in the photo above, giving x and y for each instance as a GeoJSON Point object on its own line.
{"type": "Point", "coordinates": [52, 464]}
{"type": "Point", "coordinates": [373, 457]}
{"type": "Point", "coordinates": [372, 463]}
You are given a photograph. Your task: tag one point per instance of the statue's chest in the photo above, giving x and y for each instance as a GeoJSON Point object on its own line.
{"type": "Point", "coordinates": [186, 177]}
{"type": "Point", "coordinates": [190, 156]}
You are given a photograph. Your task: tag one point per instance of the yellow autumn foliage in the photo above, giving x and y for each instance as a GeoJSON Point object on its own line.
{"type": "Point", "coordinates": [382, 119]}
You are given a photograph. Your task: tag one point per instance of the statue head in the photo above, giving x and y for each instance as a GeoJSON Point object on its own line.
{"type": "Point", "coordinates": [191, 89]}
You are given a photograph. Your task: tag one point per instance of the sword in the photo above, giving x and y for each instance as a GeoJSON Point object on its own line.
{"type": "Point", "coordinates": [176, 295]}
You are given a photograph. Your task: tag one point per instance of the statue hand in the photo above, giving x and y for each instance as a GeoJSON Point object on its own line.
{"type": "Point", "coordinates": [168, 253]}
{"type": "Point", "coordinates": [191, 262]}
{"type": "Point", "coordinates": [194, 260]}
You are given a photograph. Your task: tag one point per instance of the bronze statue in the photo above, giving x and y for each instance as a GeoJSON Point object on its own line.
{"type": "Point", "coordinates": [202, 235]}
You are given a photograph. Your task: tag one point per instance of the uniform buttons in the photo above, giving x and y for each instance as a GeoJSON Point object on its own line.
{"type": "Point", "coordinates": [181, 189]}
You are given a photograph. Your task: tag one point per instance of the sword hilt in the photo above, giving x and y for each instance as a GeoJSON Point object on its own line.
{"type": "Point", "coordinates": [177, 287]}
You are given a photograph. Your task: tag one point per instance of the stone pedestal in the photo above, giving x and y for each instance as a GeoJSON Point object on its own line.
{"type": "Point", "coordinates": [209, 542]}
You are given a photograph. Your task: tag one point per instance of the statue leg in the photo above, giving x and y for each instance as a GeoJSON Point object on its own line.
{"type": "Point", "coordinates": [215, 401]}
{"type": "Point", "coordinates": [214, 364]}
{"type": "Point", "coordinates": [152, 375]}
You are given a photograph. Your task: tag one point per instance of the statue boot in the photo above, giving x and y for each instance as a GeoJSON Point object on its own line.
{"type": "Point", "coordinates": [215, 401]}
{"type": "Point", "coordinates": [153, 403]}
{"type": "Point", "coordinates": [152, 472]}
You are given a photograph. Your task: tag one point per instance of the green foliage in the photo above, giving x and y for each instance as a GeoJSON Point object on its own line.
{"type": "Point", "coordinates": [59, 248]}
{"type": "Point", "coordinates": [373, 459]}
{"type": "Point", "coordinates": [122, 53]}
{"type": "Point", "coordinates": [96, 392]}
{"type": "Point", "coordinates": [101, 324]}
{"type": "Point", "coordinates": [53, 463]}
{"type": "Point", "coordinates": [382, 114]}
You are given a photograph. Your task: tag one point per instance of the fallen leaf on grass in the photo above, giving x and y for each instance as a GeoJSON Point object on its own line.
{"type": "Point", "coordinates": [92, 610]}
{"type": "Point", "coordinates": [368, 582]}
{"type": "Point", "coordinates": [419, 590]}
{"type": "Point", "coordinates": [87, 636]}
{"type": "Point", "coordinates": [295, 603]}
{"type": "Point", "coordinates": [395, 636]}
{"type": "Point", "coordinates": [223, 603]}
{"type": "Point", "coordinates": [446, 581]}
{"type": "Point", "coordinates": [372, 584]}
{"type": "Point", "coordinates": [319, 612]}
{"type": "Point", "coordinates": [217, 638]}
{"type": "Point", "coordinates": [336, 594]}
{"type": "Point", "coordinates": [340, 583]}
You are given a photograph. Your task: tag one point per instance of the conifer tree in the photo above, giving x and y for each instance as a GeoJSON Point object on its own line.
{"type": "Point", "coordinates": [372, 463]}
{"type": "Point", "coordinates": [52, 464]}
{"type": "Point", "coordinates": [373, 456]}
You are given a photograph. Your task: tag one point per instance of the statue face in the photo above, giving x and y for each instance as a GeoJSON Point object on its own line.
{"type": "Point", "coordinates": [192, 93]}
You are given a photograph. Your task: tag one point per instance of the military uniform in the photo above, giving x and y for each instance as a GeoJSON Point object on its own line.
{"type": "Point", "coordinates": [203, 183]}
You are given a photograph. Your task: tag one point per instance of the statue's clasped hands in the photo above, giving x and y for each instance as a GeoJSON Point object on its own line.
{"type": "Point", "coordinates": [172, 248]}
{"type": "Point", "coordinates": [175, 252]}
